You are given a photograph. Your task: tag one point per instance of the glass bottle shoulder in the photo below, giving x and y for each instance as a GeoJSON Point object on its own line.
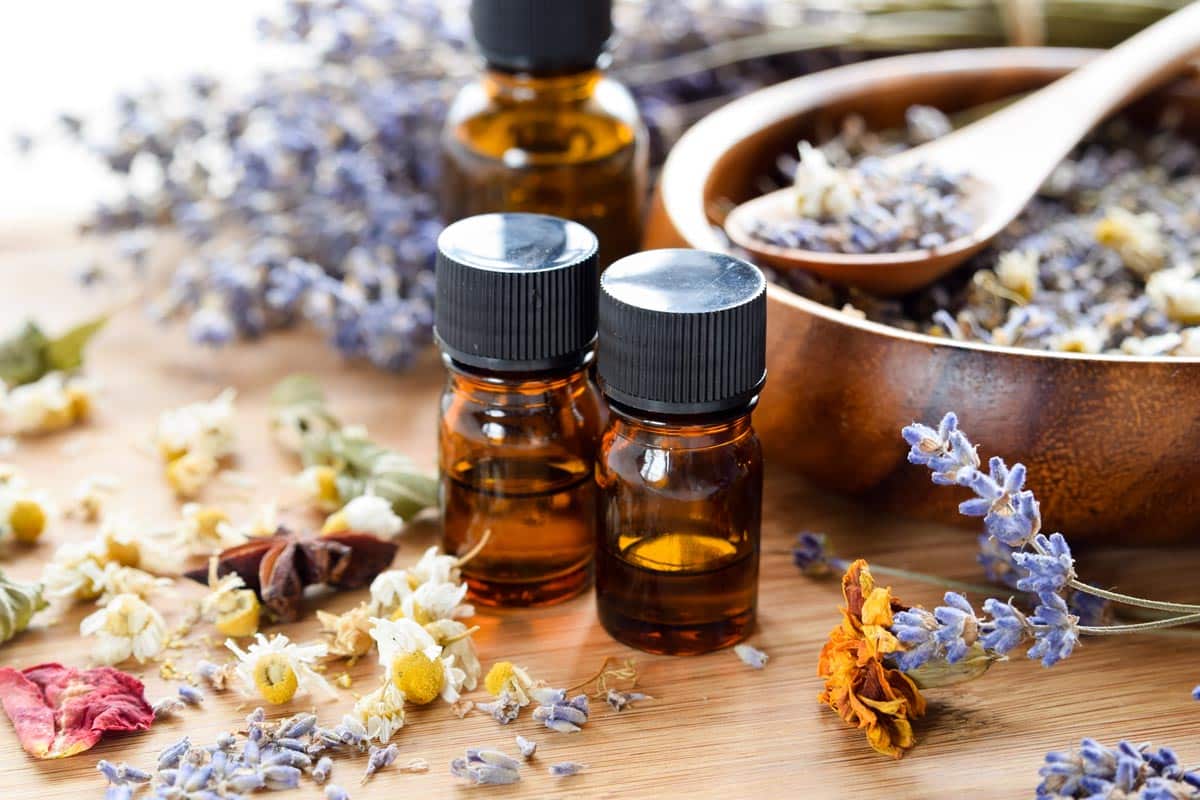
{"type": "Point", "coordinates": [521, 128]}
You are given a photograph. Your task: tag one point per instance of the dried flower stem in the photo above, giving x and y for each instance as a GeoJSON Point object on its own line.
{"type": "Point", "coordinates": [474, 551]}
{"type": "Point", "coordinates": [920, 577]}
{"type": "Point", "coordinates": [628, 672]}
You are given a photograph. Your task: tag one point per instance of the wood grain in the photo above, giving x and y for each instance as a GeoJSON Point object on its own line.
{"type": "Point", "coordinates": [1114, 438]}
{"type": "Point", "coordinates": [715, 728]}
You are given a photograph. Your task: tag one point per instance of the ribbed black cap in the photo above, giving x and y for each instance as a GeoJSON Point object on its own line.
{"type": "Point", "coordinates": [682, 332]}
{"type": "Point", "coordinates": [516, 292]}
{"type": "Point", "coordinates": [541, 35]}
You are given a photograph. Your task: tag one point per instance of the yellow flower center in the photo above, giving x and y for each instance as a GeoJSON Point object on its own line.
{"type": "Point", "coordinates": [239, 613]}
{"type": "Point", "coordinates": [27, 519]}
{"type": "Point", "coordinates": [419, 615]}
{"type": "Point", "coordinates": [325, 480]}
{"type": "Point", "coordinates": [123, 551]}
{"type": "Point", "coordinates": [419, 677]}
{"type": "Point", "coordinates": [207, 520]}
{"type": "Point", "coordinates": [336, 523]}
{"type": "Point", "coordinates": [80, 403]}
{"type": "Point", "coordinates": [498, 677]}
{"type": "Point", "coordinates": [275, 678]}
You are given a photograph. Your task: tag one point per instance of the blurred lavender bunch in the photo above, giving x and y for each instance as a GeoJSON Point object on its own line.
{"type": "Point", "coordinates": [1042, 566]}
{"type": "Point", "coordinates": [313, 195]}
{"type": "Point", "coordinates": [1126, 770]}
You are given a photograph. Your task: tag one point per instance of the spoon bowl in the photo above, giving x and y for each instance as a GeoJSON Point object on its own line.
{"type": "Point", "coordinates": [1004, 158]}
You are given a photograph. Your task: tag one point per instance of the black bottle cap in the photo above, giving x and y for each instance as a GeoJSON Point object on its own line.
{"type": "Point", "coordinates": [541, 35]}
{"type": "Point", "coordinates": [516, 292]}
{"type": "Point", "coordinates": [682, 332]}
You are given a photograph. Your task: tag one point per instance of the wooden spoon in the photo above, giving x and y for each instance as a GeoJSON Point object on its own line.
{"type": "Point", "coordinates": [1006, 157]}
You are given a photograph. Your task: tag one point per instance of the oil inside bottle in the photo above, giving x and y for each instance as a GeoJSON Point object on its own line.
{"type": "Point", "coordinates": [538, 517]}
{"type": "Point", "coordinates": [678, 592]}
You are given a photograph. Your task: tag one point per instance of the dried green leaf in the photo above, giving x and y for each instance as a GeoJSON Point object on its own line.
{"type": "Point", "coordinates": [363, 466]}
{"type": "Point", "coordinates": [23, 355]}
{"type": "Point", "coordinates": [65, 353]}
{"type": "Point", "coordinates": [18, 603]}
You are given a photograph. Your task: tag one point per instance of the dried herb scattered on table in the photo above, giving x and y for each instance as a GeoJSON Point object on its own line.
{"type": "Point", "coordinates": [18, 603]}
{"type": "Point", "coordinates": [59, 711]}
{"type": "Point", "coordinates": [29, 354]}
{"type": "Point", "coordinates": [279, 568]}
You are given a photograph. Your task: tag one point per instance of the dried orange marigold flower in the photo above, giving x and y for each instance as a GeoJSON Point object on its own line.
{"type": "Point", "coordinates": [859, 686]}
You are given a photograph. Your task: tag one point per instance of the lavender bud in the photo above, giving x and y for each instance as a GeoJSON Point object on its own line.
{"type": "Point", "coordinates": [380, 757]}
{"type": "Point", "coordinates": [171, 755]}
{"type": "Point", "coordinates": [226, 741]}
{"type": "Point", "coordinates": [281, 777]}
{"type": "Point", "coordinates": [134, 774]}
{"type": "Point", "coordinates": [290, 744]}
{"type": "Point", "coordinates": [335, 792]}
{"type": "Point", "coordinates": [109, 771]}
{"type": "Point", "coordinates": [493, 775]}
{"type": "Point", "coordinates": [191, 695]}
{"type": "Point", "coordinates": [564, 769]}
{"type": "Point", "coordinates": [120, 791]}
{"type": "Point", "coordinates": [526, 747]}
{"type": "Point", "coordinates": [198, 779]}
{"type": "Point", "coordinates": [251, 753]}
{"type": "Point", "coordinates": [168, 777]}
{"type": "Point", "coordinates": [289, 757]}
{"type": "Point", "coordinates": [320, 772]}
{"type": "Point", "coordinates": [246, 782]}
{"type": "Point", "coordinates": [298, 726]}
{"type": "Point", "coordinates": [167, 707]}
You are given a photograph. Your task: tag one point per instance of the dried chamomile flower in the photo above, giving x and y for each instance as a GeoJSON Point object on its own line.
{"type": "Point", "coordinates": [193, 439]}
{"type": "Point", "coordinates": [319, 484]}
{"type": "Point", "coordinates": [24, 512]}
{"type": "Point", "coordinates": [277, 670]}
{"type": "Point", "coordinates": [118, 579]}
{"type": "Point", "coordinates": [367, 513]}
{"type": "Point", "coordinates": [74, 572]}
{"type": "Point", "coordinates": [455, 639]}
{"type": "Point", "coordinates": [126, 627]}
{"type": "Point", "coordinates": [434, 600]}
{"type": "Point", "coordinates": [1078, 340]}
{"type": "Point", "coordinates": [88, 500]}
{"type": "Point", "coordinates": [1136, 238]}
{"type": "Point", "coordinates": [1017, 271]}
{"type": "Point", "coordinates": [379, 714]}
{"type": "Point", "coordinates": [350, 632]}
{"type": "Point", "coordinates": [415, 662]}
{"type": "Point", "coordinates": [821, 190]}
{"type": "Point", "coordinates": [1176, 292]}
{"type": "Point", "coordinates": [298, 411]}
{"type": "Point", "coordinates": [204, 530]}
{"type": "Point", "coordinates": [391, 587]}
{"type": "Point", "coordinates": [559, 714]}
{"type": "Point", "coordinates": [751, 656]}
{"type": "Point", "coordinates": [482, 766]}
{"type": "Point", "coordinates": [52, 403]}
{"type": "Point", "coordinates": [1161, 345]}
{"type": "Point", "coordinates": [18, 603]}
{"type": "Point", "coordinates": [234, 609]}
{"type": "Point", "coordinates": [506, 677]}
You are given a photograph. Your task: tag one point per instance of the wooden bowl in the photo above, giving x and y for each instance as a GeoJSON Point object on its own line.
{"type": "Point", "coordinates": [1112, 442]}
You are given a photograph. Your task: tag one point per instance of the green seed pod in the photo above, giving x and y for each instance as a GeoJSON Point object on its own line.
{"type": "Point", "coordinates": [18, 603]}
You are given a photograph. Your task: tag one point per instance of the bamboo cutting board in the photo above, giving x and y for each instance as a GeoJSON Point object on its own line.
{"type": "Point", "coordinates": [715, 728]}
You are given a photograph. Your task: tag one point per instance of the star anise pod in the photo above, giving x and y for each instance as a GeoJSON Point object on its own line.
{"type": "Point", "coordinates": [280, 567]}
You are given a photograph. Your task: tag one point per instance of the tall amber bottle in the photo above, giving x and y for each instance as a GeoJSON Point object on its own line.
{"type": "Point", "coordinates": [679, 473]}
{"type": "Point", "coordinates": [516, 322]}
{"type": "Point", "coordinates": [543, 129]}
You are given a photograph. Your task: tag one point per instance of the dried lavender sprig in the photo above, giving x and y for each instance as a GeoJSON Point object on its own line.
{"type": "Point", "coordinates": [379, 758]}
{"type": "Point", "coordinates": [559, 714]}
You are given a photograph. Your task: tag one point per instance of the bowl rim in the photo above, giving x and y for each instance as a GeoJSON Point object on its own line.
{"type": "Point", "coordinates": [686, 171]}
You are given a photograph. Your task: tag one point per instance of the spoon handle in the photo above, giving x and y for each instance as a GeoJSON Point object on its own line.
{"type": "Point", "coordinates": [1021, 144]}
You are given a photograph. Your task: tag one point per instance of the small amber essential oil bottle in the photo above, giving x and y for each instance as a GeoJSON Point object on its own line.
{"type": "Point", "coordinates": [543, 129]}
{"type": "Point", "coordinates": [679, 473]}
{"type": "Point", "coordinates": [520, 417]}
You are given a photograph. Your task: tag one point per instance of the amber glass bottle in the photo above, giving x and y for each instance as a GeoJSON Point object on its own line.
{"type": "Point", "coordinates": [679, 472]}
{"type": "Point", "coordinates": [516, 321]}
{"type": "Point", "coordinates": [544, 130]}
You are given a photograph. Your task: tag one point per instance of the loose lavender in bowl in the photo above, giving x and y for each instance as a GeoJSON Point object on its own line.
{"type": "Point", "coordinates": [1105, 259]}
{"type": "Point", "coordinates": [866, 207]}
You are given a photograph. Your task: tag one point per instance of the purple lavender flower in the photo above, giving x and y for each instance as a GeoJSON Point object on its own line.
{"type": "Point", "coordinates": [1096, 771]}
{"type": "Point", "coordinates": [949, 455]}
{"type": "Point", "coordinates": [564, 769]}
{"type": "Point", "coordinates": [915, 629]}
{"type": "Point", "coordinates": [482, 766]}
{"type": "Point", "coordinates": [526, 747]}
{"type": "Point", "coordinates": [170, 755]}
{"type": "Point", "coordinates": [619, 701]}
{"type": "Point", "coordinates": [1055, 629]}
{"type": "Point", "coordinates": [335, 792]}
{"type": "Point", "coordinates": [1091, 610]}
{"type": "Point", "coordinates": [379, 758]}
{"type": "Point", "coordinates": [559, 714]}
{"type": "Point", "coordinates": [191, 695]}
{"type": "Point", "coordinates": [1049, 569]}
{"type": "Point", "coordinates": [947, 633]}
{"type": "Point", "coordinates": [809, 554]}
{"type": "Point", "coordinates": [1006, 627]}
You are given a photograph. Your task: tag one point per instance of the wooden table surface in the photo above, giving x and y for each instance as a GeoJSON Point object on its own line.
{"type": "Point", "coordinates": [716, 728]}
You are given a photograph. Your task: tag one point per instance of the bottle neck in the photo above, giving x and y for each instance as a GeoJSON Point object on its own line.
{"type": "Point", "coordinates": [484, 382]}
{"type": "Point", "coordinates": [562, 88]}
{"type": "Point", "coordinates": [699, 429]}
